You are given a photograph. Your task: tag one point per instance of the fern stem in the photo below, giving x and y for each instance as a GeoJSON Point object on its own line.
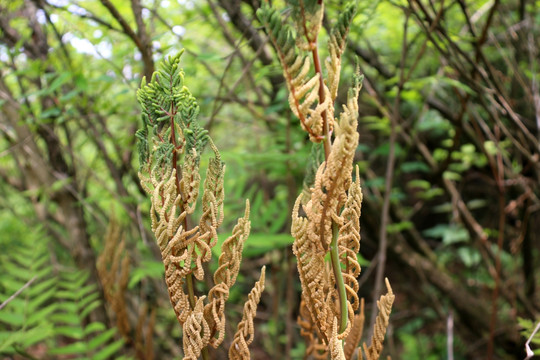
{"type": "Point", "coordinates": [338, 276]}
{"type": "Point", "coordinates": [204, 353]}
{"type": "Point", "coordinates": [334, 248]}
{"type": "Point", "coordinates": [190, 289]}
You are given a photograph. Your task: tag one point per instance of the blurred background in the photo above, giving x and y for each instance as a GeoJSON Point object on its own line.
{"type": "Point", "coordinates": [449, 141]}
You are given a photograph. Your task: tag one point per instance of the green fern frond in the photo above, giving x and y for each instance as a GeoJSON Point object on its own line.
{"type": "Point", "coordinates": [86, 340]}
{"type": "Point", "coordinates": [25, 320]}
{"type": "Point", "coordinates": [170, 110]}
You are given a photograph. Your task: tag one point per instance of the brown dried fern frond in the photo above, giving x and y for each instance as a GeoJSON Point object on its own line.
{"type": "Point", "coordinates": [196, 332]}
{"type": "Point", "coordinates": [225, 277]}
{"type": "Point", "coordinates": [303, 88]}
{"type": "Point", "coordinates": [212, 207]}
{"type": "Point", "coordinates": [354, 337]}
{"type": "Point", "coordinates": [336, 46]}
{"type": "Point", "coordinates": [113, 270]}
{"type": "Point", "coordinates": [312, 271]}
{"type": "Point", "coordinates": [334, 176]}
{"type": "Point", "coordinates": [177, 248]}
{"type": "Point", "coordinates": [349, 240]}
{"type": "Point", "coordinates": [245, 333]}
{"type": "Point", "coordinates": [315, 346]}
{"type": "Point", "coordinates": [333, 190]}
{"type": "Point", "coordinates": [381, 324]}
{"type": "Point", "coordinates": [336, 347]}
{"type": "Point", "coordinates": [170, 145]}
{"type": "Point", "coordinates": [144, 335]}
{"type": "Point", "coordinates": [189, 184]}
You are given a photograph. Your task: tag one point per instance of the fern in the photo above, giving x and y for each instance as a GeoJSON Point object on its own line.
{"type": "Point", "coordinates": [52, 309]}
{"type": "Point", "coordinates": [25, 320]}
{"type": "Point", "coordinates": [336, 47]}
{"type": "Point", "coordinates": [304, 89]}
{"type": "Point", "coordinates": [329, 228]}
{"type": "Point", "coordinates": [76, 301]}
{"type": "Point", "coordinates": [171, 142]}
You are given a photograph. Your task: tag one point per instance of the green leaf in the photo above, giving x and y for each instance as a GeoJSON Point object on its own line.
{"type": "Point", "coordinates": [109, 350]}
{"type": "Point", "coordinates": [419, 183]}
{"type": "Point", "coordinates": [78, 347]}
{"type": "Point", "coordinates": [414, 166]}
{"type": "Point", "coordinates": [66, 318]}
{"type": "Point", "coordinates": [74, 332]}
{"type": "Point", "coordinates": [399, 227]}
{"type": "Point", "coordinates": [59, 81]}
{"type": "Point", "coordinates": [148, 268]}
{"type": "Point", "coordinates": [13, 319]}
{"type": "Point", "coordinates": [94, 327]}
{"type": "Point", "coordinates": [41, 314]}
{"type": "Point", "coordinates": [87, 310]}
{"type": "Point", "coordinates": [450, 175]}
{"type": "Point", "coordinates": [101, 339]}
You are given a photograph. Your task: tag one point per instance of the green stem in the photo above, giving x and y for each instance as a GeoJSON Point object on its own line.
{"type": "Point", "coordinates": [191, 290]}
{"type": "Point", "coordinates": [336, 267]}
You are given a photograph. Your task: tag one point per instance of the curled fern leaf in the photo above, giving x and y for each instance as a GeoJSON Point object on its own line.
{"type": "Point", "coordinates": [303, 87]}
{"type": "Point", "coordinates": [336, 46]}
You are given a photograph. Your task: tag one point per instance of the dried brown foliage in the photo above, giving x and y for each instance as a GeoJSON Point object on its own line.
{"type": "Point", "coordinates": [113, 269]}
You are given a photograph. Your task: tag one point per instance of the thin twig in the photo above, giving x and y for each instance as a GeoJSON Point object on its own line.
{"type": "Point", "coordinates": [385, 216]}
{"type": "Point", "coordinates": [18, 292]}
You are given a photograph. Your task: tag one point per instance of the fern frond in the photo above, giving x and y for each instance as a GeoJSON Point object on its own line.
{"type": "Point", "coordinates": [191, 178]}
{"type": "Point", "coordinates": [349, 240]}
{"type": "Point", "coordinates": [381, 324]}
{"type": "Point", "coordinates": [303, 89]}
{"type": "Point", "coordinates": [308, 15]}
{"type": "Point", "coordinates": [144, 341]}
{"type": "Point", "coordinates": [88, 340]}
{"type": "Point", "coordinates": [336, 47]}
{"type": "Point", "coordinates": [336, 348]}
{"type": "Point", "coordinates": [311, 269]}
{"type": "Point", "coordinates": [113, 270]}
{"type": "Point", "coordinates": [333, 177]}
{"type": "Point", "coordinates": [354, 337]}
{"type": "Point", "coordinates": [212, 200]}
{"type": "Point", "coordinates": [225, 277]}
{"type": "Point", "coordinates": [196, 332]}
{"type": "Point", "coordinates": [315, 346]}
{"type": "Point", "coordinates": [245, 333]}
{"type": "Point", "coordinates": [25, 319]}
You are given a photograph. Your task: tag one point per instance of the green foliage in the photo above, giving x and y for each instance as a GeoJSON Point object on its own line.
{"type": "Point", "coordinates": [170, 112]}
{"type": "Point", "coordinates": [76, 300]}
{"type": "Point", "coordinates": [52, 309]}
{"type": "Point", "coordinates": [25, 321]}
